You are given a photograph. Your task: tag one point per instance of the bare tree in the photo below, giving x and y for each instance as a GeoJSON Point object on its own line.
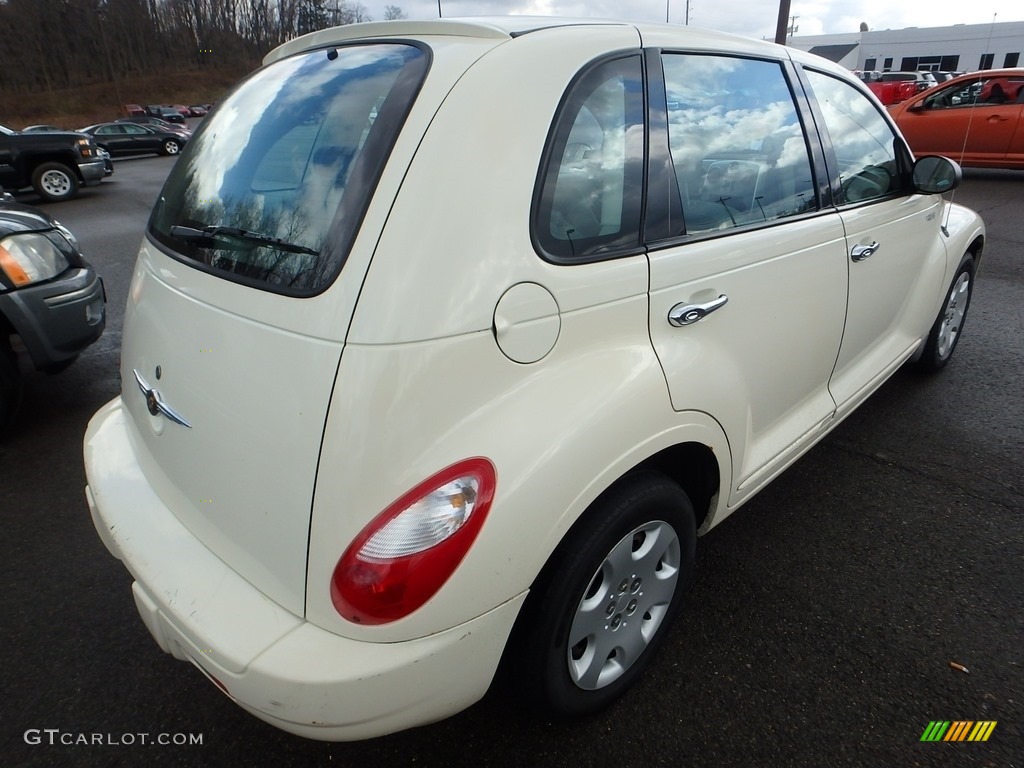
{"type": "Point", "coordinates": [46, 45]}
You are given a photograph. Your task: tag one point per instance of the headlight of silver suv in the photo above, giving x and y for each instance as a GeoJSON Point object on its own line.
{"type": "Point", "coordinates": [30, 258]}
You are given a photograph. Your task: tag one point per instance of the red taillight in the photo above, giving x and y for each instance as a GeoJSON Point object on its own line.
{"type": "Point", "coordinates": [407, 552]}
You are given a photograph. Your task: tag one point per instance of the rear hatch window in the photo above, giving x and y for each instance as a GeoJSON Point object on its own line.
{"type": "Point", "coordinates": [271, 190]}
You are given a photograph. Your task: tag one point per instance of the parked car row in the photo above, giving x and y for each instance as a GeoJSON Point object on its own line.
{"type": "Point", "coordinates": [74, 157]}
{"type": "Point", "coordinates": [173, 112]}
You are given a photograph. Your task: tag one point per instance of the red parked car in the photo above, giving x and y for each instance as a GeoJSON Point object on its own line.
{"type": "Point", "coordinates": [888, 91]}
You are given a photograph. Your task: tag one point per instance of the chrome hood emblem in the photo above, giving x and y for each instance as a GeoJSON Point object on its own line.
{"type": "Point", "coordinates": [155, 403]}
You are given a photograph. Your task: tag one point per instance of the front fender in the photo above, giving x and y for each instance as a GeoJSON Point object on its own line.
{"type": "Point", "coordinates": [964, 230]}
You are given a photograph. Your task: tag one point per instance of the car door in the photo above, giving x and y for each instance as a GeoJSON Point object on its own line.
{"type": "Point", "coordinates": [113, 138]}
{"type": "Point", "coordinates": [142, 138]}
{"type": "Point", "coordinates": [973, 121]}
{"type": "Point", "coordinates": [748, 273]}
{"type": "Point", "coordinates": [895, 255]}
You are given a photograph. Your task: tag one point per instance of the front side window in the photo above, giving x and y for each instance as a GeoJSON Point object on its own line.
{"type": "Point", "coordinates": [272, 190]}
{"type": "Point", "coordinates": [589, 197]}
{"type": "Point", "coordinates": [864, 143]}
{"type": "Point", "coordinates": [738, 148]}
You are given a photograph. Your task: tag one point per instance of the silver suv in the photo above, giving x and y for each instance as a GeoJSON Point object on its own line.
{"type": "Point", "coordinates": [52, 303]}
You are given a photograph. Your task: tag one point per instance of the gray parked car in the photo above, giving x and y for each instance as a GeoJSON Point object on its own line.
{"type": "Point", "coordinates": [52, 302]}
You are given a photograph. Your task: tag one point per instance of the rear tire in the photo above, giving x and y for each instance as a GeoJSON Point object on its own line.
{"type": "Point", "coordinates": [54, 182]}
{"type": "Point", "coordinates": [606, 599]}
{"type": "Point", "coordinates": [946, 331]}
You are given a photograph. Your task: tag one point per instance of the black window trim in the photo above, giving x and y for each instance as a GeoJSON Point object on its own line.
{"type": "Point", "coordinates": [554, 140]}
{"type": "Point", "coordinates": [904, 157]}
{"type": "Point", "coordinates": [656, 81]}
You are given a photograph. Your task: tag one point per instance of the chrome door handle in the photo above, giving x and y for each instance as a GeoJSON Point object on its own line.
{"type": "Point", "coordinates": [861, 252]}
{"type": "Point", "coordinates": [687, 314]}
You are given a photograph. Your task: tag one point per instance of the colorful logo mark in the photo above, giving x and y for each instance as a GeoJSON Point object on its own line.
{"type": "Point", "coordinates": [958, 730]}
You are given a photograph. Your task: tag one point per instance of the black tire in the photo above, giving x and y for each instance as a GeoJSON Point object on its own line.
{"type": "Point", "coordinates": [10, 386]}
{"type": "Point", "coordinates": [54, 182]}
{"type": "Point", "coordinates": [170, 147]}
{"type": "Point", "coordinates": [945, 333]}
{"type": "Point", "coordinates": [606, 599]}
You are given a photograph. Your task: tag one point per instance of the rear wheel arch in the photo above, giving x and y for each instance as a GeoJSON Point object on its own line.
{"type": "Point", "coordinates": [535, 664]}
{"type": "Point", "coordinates": [693, 470]}
{"type": "Point", "coordinates": [945, 333]}
{"type": "Point", "coordinates": [693, 467]}
{"type": "Point", "coordinates": [975, 249]}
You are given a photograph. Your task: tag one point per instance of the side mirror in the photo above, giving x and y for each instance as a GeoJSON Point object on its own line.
{"type": "Point", "coordinates": [935, 174]}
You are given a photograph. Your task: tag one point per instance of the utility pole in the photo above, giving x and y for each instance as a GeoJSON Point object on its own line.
{"type": "Point", "coordinates": [780, 27]}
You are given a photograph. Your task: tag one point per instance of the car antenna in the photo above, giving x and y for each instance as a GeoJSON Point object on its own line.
{"type": "Point", "coordinates": [967, 133]}
{"type": "Point", "coordinates": [970, 119]}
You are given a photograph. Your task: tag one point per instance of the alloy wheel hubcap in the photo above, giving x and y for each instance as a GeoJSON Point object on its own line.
{"type": "Point", "coordinates": [624, 605]}
{"type": "Point", "coordinates": [953, 317]}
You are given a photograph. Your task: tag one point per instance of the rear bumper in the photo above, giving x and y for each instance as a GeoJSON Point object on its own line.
{"type": "Point", "coordinates": [271, 662]}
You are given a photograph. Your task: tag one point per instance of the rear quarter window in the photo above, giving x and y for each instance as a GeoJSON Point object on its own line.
{"type": "Point", "coordinates": [588, 201]}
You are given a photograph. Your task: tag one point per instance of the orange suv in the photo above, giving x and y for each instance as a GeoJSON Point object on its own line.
{"type": "Point", "coordinates": [973, 118]}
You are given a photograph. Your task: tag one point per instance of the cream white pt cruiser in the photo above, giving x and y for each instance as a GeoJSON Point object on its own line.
{"type": "Point", "coordinates": [447, 339]}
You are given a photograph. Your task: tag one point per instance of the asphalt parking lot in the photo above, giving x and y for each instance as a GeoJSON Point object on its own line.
{"type": "Point", "coordinates": [820, 631]}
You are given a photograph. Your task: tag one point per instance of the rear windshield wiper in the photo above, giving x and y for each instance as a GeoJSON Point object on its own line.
{"type": "Point", "coordinates": [210, 233]}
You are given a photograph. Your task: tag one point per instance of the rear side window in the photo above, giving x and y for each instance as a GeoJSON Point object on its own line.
{"type": "Point", "coordinates": [984, 90]}
{"type": "Point", "coordinates": [737, 144]}
{"type": "Point", "coordinates": [273, 188]}
{"type": "Point", "coordinates": [590, 193]}
{"type": "Point", "coordinates": [864, 143]}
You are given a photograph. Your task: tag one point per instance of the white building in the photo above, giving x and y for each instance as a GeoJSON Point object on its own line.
{"type": "Point", "coordinates": [960, 48]}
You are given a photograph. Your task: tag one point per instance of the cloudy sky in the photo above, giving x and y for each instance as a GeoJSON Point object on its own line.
{"type": "Point", "coordinates": [737, 16]}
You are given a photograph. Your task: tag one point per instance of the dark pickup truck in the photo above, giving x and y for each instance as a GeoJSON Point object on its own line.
{"type": "Point", "coordinates": [55, 164]}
